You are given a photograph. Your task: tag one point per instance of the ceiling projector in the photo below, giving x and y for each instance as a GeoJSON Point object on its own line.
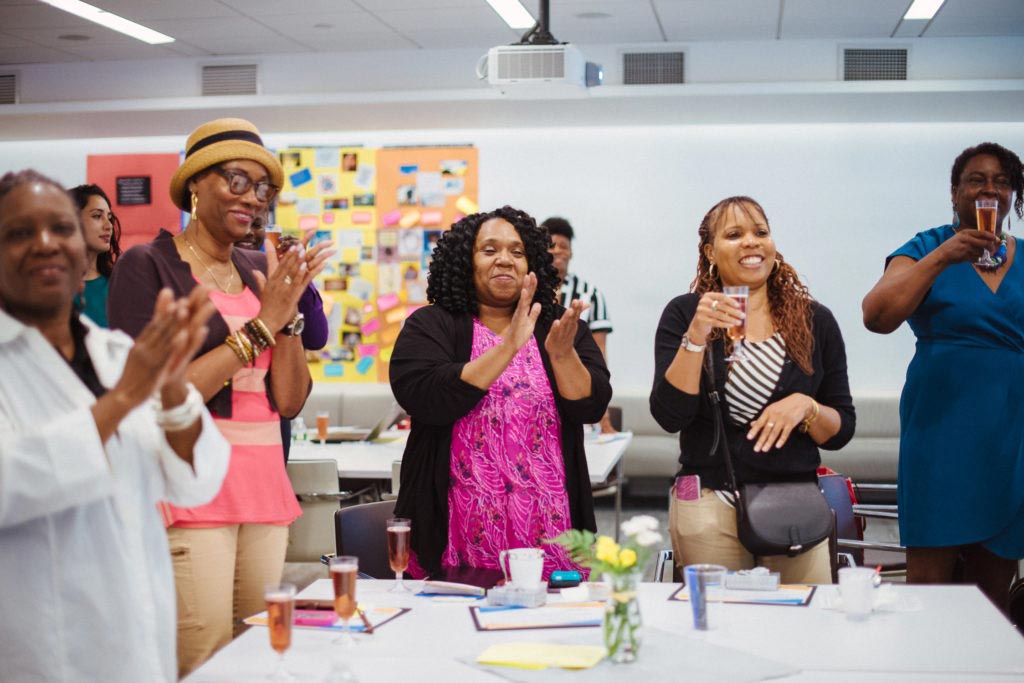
{"type": "Point", "coordinates": [521, 68]}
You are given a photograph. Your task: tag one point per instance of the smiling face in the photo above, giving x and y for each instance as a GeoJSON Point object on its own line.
{"type": "Point", "coordinates": [42, 251]}
{"type": "Point", "coordinates": [983, 177]}
{"type": "Point", "coordinates": [499, 264]}
{"type": "Point", "coordinates": [97, 224]}
{"type": "Point", "coordinates": [742, 246]}
{"type": "Point", "coordinates": [226, 215]}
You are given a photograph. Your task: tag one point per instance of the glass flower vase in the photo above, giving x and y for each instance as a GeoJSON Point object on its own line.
{"type": "Point", "coordinates": [622, 617]}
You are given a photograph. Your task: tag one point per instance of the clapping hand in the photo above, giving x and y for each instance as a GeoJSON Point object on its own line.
{"type": "Point", "coordinates": [520, 329]}
{"type": "Point", "coordinates": [289, 274]}
{"type": "Point", "coordinates": [561, 339]}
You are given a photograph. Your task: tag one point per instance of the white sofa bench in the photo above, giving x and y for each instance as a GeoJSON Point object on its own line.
{"type": "Point", "coordinates": [652, 458]}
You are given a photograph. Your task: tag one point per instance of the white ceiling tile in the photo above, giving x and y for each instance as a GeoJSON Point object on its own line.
{"type": "Point", "coordinates": [37, 15]}
{"type": "Point", "coordinates": [256, 8]}
{"type": "Point", "coordinates": [813, 19]}
{"type": "Point", "coordinates": [441, 18]}
{"type": "Point", "coordinates": [359, 41]}
{"type": "Point", "coordinates": [228, 28]}
{"type": "Point", "coordinates": [142, 10]}
{"type": "Point", "coordinates": [721, 20]}
{"type": "Point", "coordinates": [303, 25]}
{"type": "Point", "coordinates": [978, 18]}
{"type": "Point", "coordinates": [455, 37]}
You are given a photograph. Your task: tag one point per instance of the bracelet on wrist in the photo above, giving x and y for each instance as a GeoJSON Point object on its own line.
{"type": "Point", "coordinates": [805, 425]}
{"type": "Point", "coordinates": [260, 334]}
{"type": "Point", "coordinates": [181, 416]}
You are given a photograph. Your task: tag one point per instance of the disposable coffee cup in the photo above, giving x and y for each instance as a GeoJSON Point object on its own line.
{"type": "Point", "coordinates": [857, 589]}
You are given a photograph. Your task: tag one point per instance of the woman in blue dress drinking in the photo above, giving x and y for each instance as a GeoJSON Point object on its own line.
{"type": "Point", "coordinates": [961, 467]}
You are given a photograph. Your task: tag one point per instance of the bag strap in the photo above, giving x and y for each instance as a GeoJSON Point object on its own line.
{"type": "Point", "coordinates": [721, 441]}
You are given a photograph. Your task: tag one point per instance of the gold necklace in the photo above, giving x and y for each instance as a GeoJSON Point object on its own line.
{"type": "Point", "coordinates": [231, 275]}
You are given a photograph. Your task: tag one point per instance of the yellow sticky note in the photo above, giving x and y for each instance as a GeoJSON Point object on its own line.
{"type": "Point", "coordinates": [542, 655]}
{"type": "Point", "coordinates": [350, 255]}
{"type": "Point", "coordinates": [465, 205]}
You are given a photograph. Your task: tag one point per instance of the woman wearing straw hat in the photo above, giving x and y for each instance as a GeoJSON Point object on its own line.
{"type": "Point", "coordinates": [251, 370]}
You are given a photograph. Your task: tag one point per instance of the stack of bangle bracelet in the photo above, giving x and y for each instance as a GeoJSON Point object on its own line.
{"type": "Point", "coordinates": [249, 342]}
{"type": "Point", "coordinates": [805, 425]}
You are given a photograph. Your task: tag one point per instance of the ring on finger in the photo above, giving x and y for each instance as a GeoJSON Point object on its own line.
{"type": "Point", "coordinates": [287, 279]}
{"type": "Point", "coordinates": [770, 425]}
{"type": "Point", "coordinates": [714, 305]}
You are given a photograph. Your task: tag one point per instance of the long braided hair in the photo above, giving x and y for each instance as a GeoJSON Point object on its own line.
{"type": "Point", "coordinates": [789, 302]}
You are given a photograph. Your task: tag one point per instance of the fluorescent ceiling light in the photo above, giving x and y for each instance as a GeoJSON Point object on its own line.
{"type": "Point", "coordinates": [111, 21]}
{"type": "Point", "coordinates": [923, 9]}
{"type": "Point", "coordinates": [513, 13]}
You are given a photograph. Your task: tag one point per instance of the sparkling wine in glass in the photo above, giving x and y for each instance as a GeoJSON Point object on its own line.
{"type": "Point", "coordinates": [399, 535]}
{"type": "Point", "coordinates": [344, 571]}
{"type": "Point", "coordinates": [323, 421]}
{"type": "Point", "coordinates": [279, 599]}
{"type": "Point", "coordinates": [985, 218]}
{"type": "Point", "coordinates": [737, 333]}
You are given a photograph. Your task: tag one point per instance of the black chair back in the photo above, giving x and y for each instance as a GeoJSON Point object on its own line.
{"type": "Point", "coordinates": [361, 530]}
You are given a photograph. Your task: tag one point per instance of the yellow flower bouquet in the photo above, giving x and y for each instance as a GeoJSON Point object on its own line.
{"type": "Point", "coordinates": [621, 566]}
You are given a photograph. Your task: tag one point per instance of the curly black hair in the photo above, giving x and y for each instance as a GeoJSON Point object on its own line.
{"type": "Point", "coordinates": [1008, 160]}
{"type": "Point", "coordinates": [104, 260]}
{"type": "Point", "coordinates": [450, 280]}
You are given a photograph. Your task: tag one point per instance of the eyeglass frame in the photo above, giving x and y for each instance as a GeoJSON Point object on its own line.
{"type": "Point", "coordinates": [228, 174]}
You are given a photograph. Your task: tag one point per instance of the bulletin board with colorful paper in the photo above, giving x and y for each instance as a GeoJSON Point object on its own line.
{"type": "Point", "coordinates": [384, 209]}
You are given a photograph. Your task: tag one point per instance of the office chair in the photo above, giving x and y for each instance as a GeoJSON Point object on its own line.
{"type": "Point", "coordinates": [315, 483]}
{"type": "Point", "coordinates": [845, 543]}
{"type": "Point", "coordinates": [361, 530]}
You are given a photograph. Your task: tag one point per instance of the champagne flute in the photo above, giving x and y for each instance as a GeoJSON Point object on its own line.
{"type": "Point", "coordinates": [279, 599]}
{"type": "Point", "coordinates": [738, 332]}
{"type": "Point", "coordinates": [323, 422]}
{"type": "Point", "coordinates": [399, 535]}
{"type": "Point", "coordinates": [344, 571]}
{"type": "Point", "coordinates": [985, 220]}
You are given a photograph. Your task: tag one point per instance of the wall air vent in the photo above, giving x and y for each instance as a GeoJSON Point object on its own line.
{"type": "Point", "coordinates": [874, 64]}
{"type": "Point", "coordinates": [653, 68]}
{"type": "Point", "coordinates": [8, 89]}
{"type": "Point", "coordinates": [231, 79]}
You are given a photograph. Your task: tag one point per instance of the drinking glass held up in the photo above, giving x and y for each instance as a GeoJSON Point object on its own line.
{"type": "Point", "coordinates": [737, 333]}
{"type": "Point", "coordinates": [399, 536]}
{"type": "Point", "coordinates": [985, 211]}
{"type": "Point", "coordinates": [344, 572]}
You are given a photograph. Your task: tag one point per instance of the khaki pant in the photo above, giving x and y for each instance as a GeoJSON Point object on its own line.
{"type": "Point", "coordinates": [219, 574]}
{"type": "Point", "coordinates": [704, 531]}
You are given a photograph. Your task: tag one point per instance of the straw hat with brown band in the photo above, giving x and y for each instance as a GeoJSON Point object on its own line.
{"type": "Point", "coordinates": [218, 141]}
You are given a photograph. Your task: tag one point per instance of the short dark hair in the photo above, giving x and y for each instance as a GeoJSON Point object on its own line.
{"type": "Point", "coordinates": [556, 225]}
{"type": "Point", "coordinates": [13, 179]}
{"type": "Point", "coordinates": [105, 261]}
{"type": "Point", "coordinates": [1008, 160]}
{"type": "Point", "coordinates": [450, 280]}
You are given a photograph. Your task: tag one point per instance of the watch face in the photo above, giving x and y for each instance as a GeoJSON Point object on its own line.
{"type": "Point", "coordinates": [297, 325]}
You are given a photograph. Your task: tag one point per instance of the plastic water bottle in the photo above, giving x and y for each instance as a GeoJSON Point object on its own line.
{"type": "Point", "coordinates": [299, 429]}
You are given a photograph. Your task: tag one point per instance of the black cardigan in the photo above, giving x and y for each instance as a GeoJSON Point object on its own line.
{"type": "Point", "coordinates": [691, 416]}
{"type": "Point", "coordinates": [426, 365]}
{"type": "Point", "coordinates": [142, 271]}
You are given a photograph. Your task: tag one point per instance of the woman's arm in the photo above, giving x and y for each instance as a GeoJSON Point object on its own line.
{"type": "Point", "coordinates": [572, 379]}
{"type": "Point", "coordinates": [905, 282]}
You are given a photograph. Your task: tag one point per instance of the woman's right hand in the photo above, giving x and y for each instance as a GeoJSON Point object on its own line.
{"type": "Point", "coordinates": [525, 316]}
{"type": "Point", "coordinates": [289, 274]}
{"type": "Point", "coordinates": [713, 310]}
{"type": "Point", "coordinates": [968, 245]}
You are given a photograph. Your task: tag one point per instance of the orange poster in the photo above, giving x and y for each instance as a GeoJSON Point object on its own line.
{"type": "Point", "coordinates": [137, 185]}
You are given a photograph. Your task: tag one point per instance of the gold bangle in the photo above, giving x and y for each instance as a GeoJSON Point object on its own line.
{"type": "Point", "coordinates": [262, 336]}
{"type": "Point", "coordinates": [808, 421]}
{"type": "Point", "coordinates": [251, 349]}
{"type": "Point", "coordinates": [236, 346]}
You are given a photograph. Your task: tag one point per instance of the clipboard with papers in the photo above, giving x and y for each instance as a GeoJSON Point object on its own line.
{"type": "Point", "coordinates": [552, 615]}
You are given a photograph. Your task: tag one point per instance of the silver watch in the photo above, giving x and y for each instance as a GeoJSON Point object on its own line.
{"type": "Point", "coordinates": [690, 346]}
{"type": "Point", "coordinates": [295, 327]}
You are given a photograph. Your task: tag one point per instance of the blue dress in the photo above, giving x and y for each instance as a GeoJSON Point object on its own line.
{"type": "Point", "coordinates": [961, 468]}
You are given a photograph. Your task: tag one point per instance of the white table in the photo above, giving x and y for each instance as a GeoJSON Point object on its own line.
{"type": "Point", "coordinates": [366, 460]}
{"type": "Point", "coordinates": [955, 634]}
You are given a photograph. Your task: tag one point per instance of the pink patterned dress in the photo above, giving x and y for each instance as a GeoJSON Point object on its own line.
{"type": "Point", "coordinates": [507, 474]}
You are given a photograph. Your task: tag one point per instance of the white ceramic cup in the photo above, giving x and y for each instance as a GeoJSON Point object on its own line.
{"type": "Point", "coordinates": [523, 567]}
{"type": "Point", "coordinates": [857, 588]}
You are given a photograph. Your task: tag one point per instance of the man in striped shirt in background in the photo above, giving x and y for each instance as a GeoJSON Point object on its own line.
{"type": "Point", "coordinates": [573, 287]}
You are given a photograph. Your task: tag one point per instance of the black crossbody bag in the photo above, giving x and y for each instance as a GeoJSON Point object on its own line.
{"type": "Point", "coordinates": [778, 518]}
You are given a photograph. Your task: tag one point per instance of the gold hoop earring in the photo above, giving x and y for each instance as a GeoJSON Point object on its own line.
{"type": "Point", "coordinates": [195, 205]}
{"type": "Point", "coordinates": [713, 271]}
{"type": "Point", "coordinates": [776, 266]}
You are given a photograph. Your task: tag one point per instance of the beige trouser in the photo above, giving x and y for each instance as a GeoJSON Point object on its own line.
{"type": "Point", "coordinates": [219, 574]}
{"type": "Point", "coordinates": [704, 531]}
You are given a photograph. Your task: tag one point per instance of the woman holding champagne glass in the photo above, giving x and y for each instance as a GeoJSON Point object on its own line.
{"type": "Point", "coordinates": [789, 397]}
{"type": "Point", "coordinates": [961, 496]}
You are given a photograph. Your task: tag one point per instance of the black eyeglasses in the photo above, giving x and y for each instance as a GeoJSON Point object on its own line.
{"type": "Point", "coordinates": [239, 183]}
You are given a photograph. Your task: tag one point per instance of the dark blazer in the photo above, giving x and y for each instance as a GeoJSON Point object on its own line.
{"type": "Point", "coordinates": [691, 416]}
{"type": "Point", "coordinates": [425, 371]}
{"type": "Point", "coordinates": [142, 271]}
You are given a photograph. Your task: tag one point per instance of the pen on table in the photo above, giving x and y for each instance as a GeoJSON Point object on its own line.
{"type": "Point", "coordinates": [367, 626]}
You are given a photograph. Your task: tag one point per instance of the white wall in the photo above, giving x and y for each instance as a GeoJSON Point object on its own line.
{"type": "Point", "coordinates": [839, 197]}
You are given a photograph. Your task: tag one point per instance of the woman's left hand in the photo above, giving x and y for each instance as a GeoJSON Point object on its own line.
{"type": "Point", "coordinates": [561, 339]}
{"type": "Point", "coordinates": [776, 422]}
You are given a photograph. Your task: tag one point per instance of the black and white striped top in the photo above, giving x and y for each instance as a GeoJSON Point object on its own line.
{"type": "Point", "coordinates": [750, 383]}
{"type": "Point", "coordinates": [596, 316]}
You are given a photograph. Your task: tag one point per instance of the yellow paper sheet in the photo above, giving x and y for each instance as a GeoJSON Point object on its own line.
{"type": "Point", "coordinates": [542, 655]}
